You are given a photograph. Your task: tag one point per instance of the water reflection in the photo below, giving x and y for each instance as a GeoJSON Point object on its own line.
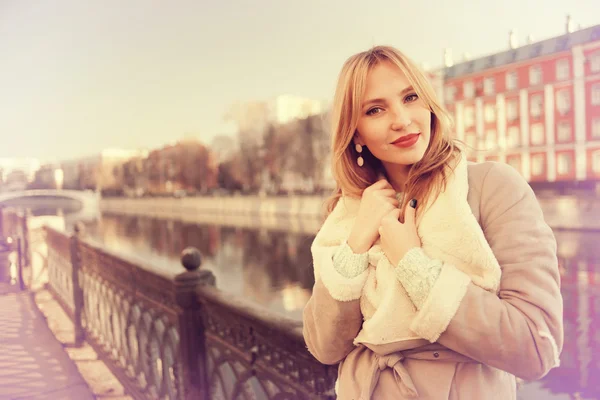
{"type": "Point", "coordinates": [579, 257]}
{"type": "Point", "coordinates": [274, 269]}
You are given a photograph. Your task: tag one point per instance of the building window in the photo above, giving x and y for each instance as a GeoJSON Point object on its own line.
{"type": "Point", "coordinates": [511, 80]}
{"type": "Point", "coordinates": [535, 108]}
{"type": "Point", "coordinates": [452, 115]}
{"type": "Point", "coordinates": [595, 62]}
{"type": "Point", "coordinates": [537, 134]}
{"type": "Point", "coordinates": [535, 75]}
{"type": "Point", "coordinates": [564, 164]}
{"type": "Point", "coordinates": [489, 86]}
{"type": "Point", "coordinates": [469, 117]}
{"type": "Point", "coordinates": [469, 89]}
{"type": "Point", "coordinates": [450, 94]}
{"type": "Point", "coordinates": [596, 128]}
{"type": "Point", "coordinates": [491, 139]}
{"type": "Point", "coordinates": [564, 133]}
{"type": "Point", "coordinates": [563, 101]}
{"type": "Point", "coordinates": [596, 94]}
{"type": "Point", "coordinates": [596, 162]}
{"type": "Point", "coordinates": [471, 140]}
{"type": "Point", "coordinates": [514, 162]}
{"type": "Point", "coordinates": [514, 136]}
{"type": "Point", "coordinates": [512, 110]}
{"type": "Point", "coordinates": [537, 165]}
{"type": "Point", "coordinates": [490, 113]}
{"type": "Point", "coordinates": [562, 70]}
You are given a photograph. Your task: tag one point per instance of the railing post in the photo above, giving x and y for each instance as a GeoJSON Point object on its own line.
{"type": "Point", "coordinates": [25, 234]}
{"type": "Point", "coordinates": [6, 246]}
{"type": "Point", "coordinates": [20, 241]}
{"type": "Point", "coordinates": [77, 289]}
{"type": "Point", "coordinates": [2, 234]}
{"type": "Point", "coordinates": [192, 346]}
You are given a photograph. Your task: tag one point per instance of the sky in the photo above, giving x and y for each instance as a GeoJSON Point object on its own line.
{"type": "Point", "coordinates": [80, 76]}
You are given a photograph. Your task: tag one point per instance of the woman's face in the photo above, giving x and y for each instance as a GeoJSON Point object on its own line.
{"type": "Point", "coordinates": [395, 124]}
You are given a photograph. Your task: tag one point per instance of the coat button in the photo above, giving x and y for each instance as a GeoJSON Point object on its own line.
{"type": "Point", "coordinates": [436, 354]}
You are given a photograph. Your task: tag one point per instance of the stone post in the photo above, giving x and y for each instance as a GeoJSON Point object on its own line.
{"type": "Point", "coordinates": [77, 283]}
{"type": "Point", "coordinates": [193, 377]}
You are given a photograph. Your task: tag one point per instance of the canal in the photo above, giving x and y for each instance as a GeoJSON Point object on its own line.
{"type": "Point", "coordinates": [273, 268]}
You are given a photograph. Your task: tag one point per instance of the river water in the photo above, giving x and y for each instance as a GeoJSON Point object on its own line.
{"type": "Point", "coordinates": [273, 268]}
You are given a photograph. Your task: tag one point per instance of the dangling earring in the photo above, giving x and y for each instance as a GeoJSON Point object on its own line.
{"type": "Point", "coordinates": [360, 161]}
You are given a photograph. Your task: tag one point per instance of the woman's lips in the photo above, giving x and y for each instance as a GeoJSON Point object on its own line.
{"type": "Point", "coordinates": [407, 140]}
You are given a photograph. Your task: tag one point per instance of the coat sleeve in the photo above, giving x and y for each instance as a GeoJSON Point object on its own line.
{"type": "Point", "coordinates": [330, 325]}
{"type": "Point", "coordinates": [332, 316]}
{"type": "Point", "coordinates": [520, 330]}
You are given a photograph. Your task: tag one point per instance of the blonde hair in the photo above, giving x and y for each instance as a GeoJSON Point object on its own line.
{"type": "Point", "coordinates": [427, 177]}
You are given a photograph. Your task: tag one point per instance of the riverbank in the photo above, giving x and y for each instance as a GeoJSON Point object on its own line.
{"type": "Point", "coordinates": [287, 214]}
{"type": "Point", "coordinates": [305, 213]}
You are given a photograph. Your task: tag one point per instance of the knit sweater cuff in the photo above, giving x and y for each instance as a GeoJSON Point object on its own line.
{"type": "Point", "coordinates": [418, 273]}
{"type": "Point", "coordinates": [349, 264]}
{"type": "Point", "coordinates": [340, 287]}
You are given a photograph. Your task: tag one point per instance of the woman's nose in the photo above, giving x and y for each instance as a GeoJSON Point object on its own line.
{"type": "Point", "coordinates": [401, 119]}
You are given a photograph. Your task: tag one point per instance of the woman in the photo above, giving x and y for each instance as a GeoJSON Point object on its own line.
{"type": "Point", "coordinates": [452, 298]}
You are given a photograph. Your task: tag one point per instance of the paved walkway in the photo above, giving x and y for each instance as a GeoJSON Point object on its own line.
{"type": "Point", "coordinates": [33, 363]}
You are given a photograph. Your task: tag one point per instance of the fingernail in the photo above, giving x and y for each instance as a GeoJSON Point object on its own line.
{"type": "Point", "coordinates": [413, 203]}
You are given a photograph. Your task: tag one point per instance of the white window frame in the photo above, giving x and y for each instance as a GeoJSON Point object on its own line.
{"type": "Point", "coordinates": [563, 69]}
{"type": "Point", "coordinates": [489, 85]}
{"type": "Point", "coordinates": [595, 61]}
{"type": "Point", "coordinates": [595, 94]}
{"type": "Point", "coordinates": [563, 101]}
{"type": "Point", "coordinates": [596, 128]}
{"type": "Point", "coordinates": [469, 116]}
{"type": "Point", "coordinates": [450, 93]}
{"type": "Point", "coordinates": [536, 105]}
{"type": "Point", "coordinates": [564, 132]}
{"type": "Point", "coordinates": [535, 75]}
{"type": "Point", "coordinates": [513, 136]}
{"type": "Point", "coordinates": [469, 89]}
{"type": "Point", "coordinates": [564, 163]}
{"type": "Point", "coordinates": [537, 134]}
{"type": "Point", "coordinates": [489, 113]}
{"type": "Point", "coordinates": [596, 162]}
{"type": "Point", "coordinates": [512, 110]}
{"type": "Point", "coordinates": [512, 80]}
{"type": "Point", "coordinates": [515, 162]}
{"type": "Point", "coordinates": [537, 165]}
{"type": "Point", "coordinates": [471, 140]}
{"type": "Point", "coordinates": [491, 139]}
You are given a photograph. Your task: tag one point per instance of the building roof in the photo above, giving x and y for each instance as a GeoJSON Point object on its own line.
{"type": "Point", "coordinates": [530, 51]}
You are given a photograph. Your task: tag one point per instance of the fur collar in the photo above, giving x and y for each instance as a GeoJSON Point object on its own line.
{"type": "Point", "coordinates": [449, 232]}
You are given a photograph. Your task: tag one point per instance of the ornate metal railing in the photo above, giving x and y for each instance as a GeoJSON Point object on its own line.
{"type": "Point", "coordinates": [169, 335]}
{"type": "Point", "coordinates": [252, 353]}
{"type": "Point", "coordinates": [131, 315]}
{"type": "Point", "coordinates": [60, 269]}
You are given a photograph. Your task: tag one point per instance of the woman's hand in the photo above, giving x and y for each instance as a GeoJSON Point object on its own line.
{"type": "Point", "coordinates": [377, 201]}
{"type": "Point", "coordinates": [397, 238]}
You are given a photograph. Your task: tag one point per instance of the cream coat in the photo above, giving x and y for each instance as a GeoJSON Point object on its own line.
{"type": "Point", "coordinates": [474, 325]}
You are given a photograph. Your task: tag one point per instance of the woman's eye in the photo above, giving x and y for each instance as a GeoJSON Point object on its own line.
{"type": "Point", "coordinates": [374, 110]}
{"type": "Point", "coordinates": [411, 97]}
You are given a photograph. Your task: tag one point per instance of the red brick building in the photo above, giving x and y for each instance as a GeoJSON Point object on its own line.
{"type": "Point", "coordinates": [536, 107]}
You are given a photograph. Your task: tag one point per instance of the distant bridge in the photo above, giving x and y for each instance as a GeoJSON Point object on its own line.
{"type": "Point", "coordinates": [82, 203]}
